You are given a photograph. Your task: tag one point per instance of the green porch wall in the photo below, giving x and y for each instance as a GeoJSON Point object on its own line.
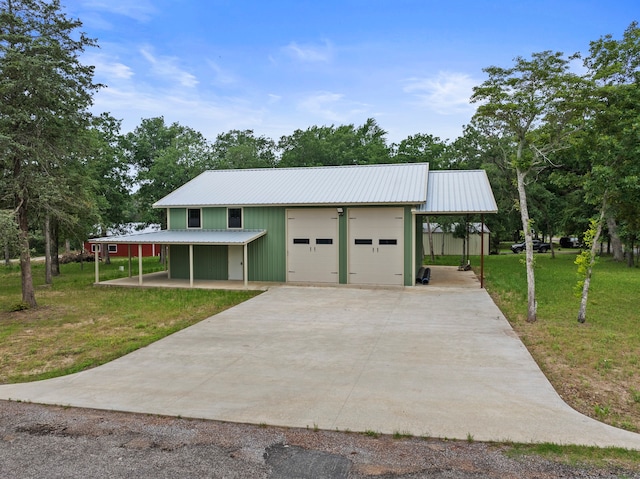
{"type": "Point", "coordinates": [209, 262]}
{"type": "Point", "coordinates": [408, 247]}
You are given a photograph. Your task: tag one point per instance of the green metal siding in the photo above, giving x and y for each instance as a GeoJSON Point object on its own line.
{"type": "Point", "coordinates": [408, 246]}
{"type": "Point", "coordinates": [214, 218]}
{"type": "Point", "coordinates": [177, 218]}
{"type": "Point", "coordinates": [343, 247]}
{"type": "Point", "coordinates": [267, 254]}
{"type": "Point", "coordinates": [209, 262]}
{"type": "Point", "coordinates": [179, 261]}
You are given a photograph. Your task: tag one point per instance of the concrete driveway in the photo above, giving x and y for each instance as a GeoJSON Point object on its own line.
{"type": "Point", "coordinates": [435, 361]}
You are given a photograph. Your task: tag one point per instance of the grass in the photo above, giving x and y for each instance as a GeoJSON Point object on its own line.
{"type": "Point", "coordinates": [594, 366]}
{"type": "Point", "coordinates": [77, 326]}
{"type": "Point", "coordinates": [579, 455]}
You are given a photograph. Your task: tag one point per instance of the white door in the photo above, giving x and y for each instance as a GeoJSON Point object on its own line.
{"type": "Point", "coordinates": [312, 245]}
{"type": "Point", "coordinates": [376, 246]}
{"type": "Point", "coordinates": [236, 265]}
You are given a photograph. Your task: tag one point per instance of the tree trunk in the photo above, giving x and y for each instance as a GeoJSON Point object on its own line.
{"type": "Point", "coordinates": [582, 312]}
{"type": "Point", "coordinates": [67, 246]}
{"type": "Point", "coordinates": [7, 253]}
{"type": "Point", "coordinates": [55, 242]}
{"type": "Point", "coordinates": [616, 244]}
{"type": "Point", "coordinates": [48, 278]}
{"type": "Point", "coordinates": [524, 215]}
{"type": "Point", "coordinates": [28, 292]}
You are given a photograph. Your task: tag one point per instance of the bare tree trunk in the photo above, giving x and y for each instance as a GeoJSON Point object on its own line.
{"type": "Point", "coordinates": [48, 279]}
{"type": "Point", "coordinates": [616, 244]}
{"type": "Point", "coordinates": [67, 246]}
{"type": "Point", "coordinates": [7, 253]}
{"type": "Point", "coordinates": [582, 312]}
{"type": "Point", "coordinates": [524, 215]}
{"type": "Point", "coordinates": [28, 292]}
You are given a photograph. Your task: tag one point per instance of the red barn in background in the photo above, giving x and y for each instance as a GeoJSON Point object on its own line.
{"type": "Point", "coordinates": [122, 250]}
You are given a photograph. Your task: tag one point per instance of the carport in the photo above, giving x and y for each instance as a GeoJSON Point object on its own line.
{"type": "Point", "coordinates": [183, 237]}
{"type": "Point", "coordinates": [458, 192]}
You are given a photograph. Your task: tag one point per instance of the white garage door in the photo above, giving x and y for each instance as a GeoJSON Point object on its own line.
{"type": "Point", "coordinates": [312, 245]}
{"type": "Point", "coordinates": [376, 246]}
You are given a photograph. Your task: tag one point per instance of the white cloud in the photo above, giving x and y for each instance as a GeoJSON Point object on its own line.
{"type": "Point", "coordinates": [310, 53]}
{"type": "Point", "coordinates": [447, 93]}
{"type": "Point", "coordinates": [167, 67]}
{"type": "Point", "coordinates": [331, 107]}
{"type": "Point", "coordinates": [140, 10]}
{"type": "Point", "coordinates": [107, 69]}
{"type": "Point", "coordinates": [221, 76]}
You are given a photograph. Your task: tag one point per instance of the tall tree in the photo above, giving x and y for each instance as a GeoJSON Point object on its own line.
{"type": "Point", "coordinates": [46, 92]}
{"type": "Point", "coordinates": [331, 146]}
{"type": "Point", "coordinates": [613, 181]}
{"type": "Point", "coordinates": [164, 158]}
{"type": "Point", "coordinates": [242, 149]}
{"type": "Point", "coordinates": [421, 147]}
{"type": "Point", "coordinates": [533, 105]}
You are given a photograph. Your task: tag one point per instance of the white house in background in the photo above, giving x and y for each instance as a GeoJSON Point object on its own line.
{"type": "Point", "coordinates": [446, 244]}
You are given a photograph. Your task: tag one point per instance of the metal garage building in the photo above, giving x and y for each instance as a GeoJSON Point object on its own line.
{"type": "Point", "coordinates": [341, 225]}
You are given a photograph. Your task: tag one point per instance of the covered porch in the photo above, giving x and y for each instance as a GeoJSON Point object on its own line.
{"type": "Point", "coordinates": [189, 238]}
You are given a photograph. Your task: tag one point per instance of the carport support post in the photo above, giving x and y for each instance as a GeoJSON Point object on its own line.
{"type": "Point", "coordinates": [140, 264]}
{"type": "Point", "coordinates": [129, 253]}
{"type": "Point", "coordinates": [191, 265]}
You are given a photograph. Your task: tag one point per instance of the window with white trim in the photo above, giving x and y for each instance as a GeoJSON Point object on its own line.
{"type": "Point", "coordinates": [234, 218]}
{"type": "Point", "coordinates": [194, 218]}
{"type": "Point", "coordinates": [113, 248]}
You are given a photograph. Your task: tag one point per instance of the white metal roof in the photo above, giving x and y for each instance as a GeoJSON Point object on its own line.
{"type": "Point", "coordinates": [191, 236]}
{"type": "Point", "coordinates": [404, 183]}
{"type": "Point", "coordinates": [459, 192]}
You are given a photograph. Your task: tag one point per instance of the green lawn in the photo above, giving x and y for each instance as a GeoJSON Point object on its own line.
{"type": "Point", "coordinates": [78, 326]}
{"type": "Point", "coordinates": [595, 366]}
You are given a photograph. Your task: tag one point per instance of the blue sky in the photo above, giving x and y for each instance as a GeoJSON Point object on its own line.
{"type": "Point", "coordinates": [276, 66]}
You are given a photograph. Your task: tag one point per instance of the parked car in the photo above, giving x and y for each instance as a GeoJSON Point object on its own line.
{"type": "Point", "coordinates": [538, 246]}
{"type": "Point", "coordinates": [569, 242]}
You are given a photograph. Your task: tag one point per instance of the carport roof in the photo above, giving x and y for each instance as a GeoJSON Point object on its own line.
{"type": "Point", "coordinates": [458, 192]}
{"type": "Point", "coordinates": [191, 236]}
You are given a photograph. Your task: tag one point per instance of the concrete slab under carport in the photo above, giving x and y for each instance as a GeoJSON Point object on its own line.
{"type": "Point", "coordinates": [430, 360]}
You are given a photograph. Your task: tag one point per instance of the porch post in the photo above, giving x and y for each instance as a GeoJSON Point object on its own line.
{"type": "Point", "coordinates": [167, 253]}
{"type": "Point", "coordinates": [140, 264]}
{"type": "Point", "coordinates": [245, 266]}
{"type": "Point", "coordinates": [96, 255]}
{"type": "Point", "coordinates": [191, 265]}
{"type": "Point", "coordinates": [129, 254]}
{"type": "Point", "coordinates": [482, 251]}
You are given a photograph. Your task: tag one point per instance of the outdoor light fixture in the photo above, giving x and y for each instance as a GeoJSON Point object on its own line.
{"type": "Point", "coordinates": [340, 211]}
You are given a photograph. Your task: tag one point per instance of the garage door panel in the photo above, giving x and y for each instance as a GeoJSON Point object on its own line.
{"type": "Point", "coordinates": [376, 253]}
{"type": "Point", "coordinates": [312, 245]}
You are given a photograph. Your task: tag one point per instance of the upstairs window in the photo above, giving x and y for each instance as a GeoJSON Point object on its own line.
{"type": "Point", "coordinates": [194, 219]}
{"type": "Point", "coordinates": [234, 218]}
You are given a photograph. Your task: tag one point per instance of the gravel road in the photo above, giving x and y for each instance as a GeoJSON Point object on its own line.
{"type": "Point", "coordinates": [54, 442]}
